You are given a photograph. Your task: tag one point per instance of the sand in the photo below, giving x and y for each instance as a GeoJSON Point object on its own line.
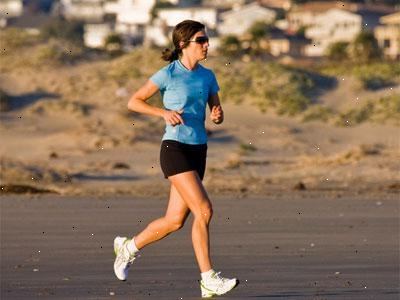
{"type": "Point", "coordinates": [302, 245]}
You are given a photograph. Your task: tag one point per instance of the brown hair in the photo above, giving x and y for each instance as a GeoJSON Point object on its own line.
{"type": "Point", "coordinates": [182, 32]}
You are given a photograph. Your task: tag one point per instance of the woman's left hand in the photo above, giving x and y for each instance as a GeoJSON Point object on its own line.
{"type": "Point", "coordinates": [217, 114]}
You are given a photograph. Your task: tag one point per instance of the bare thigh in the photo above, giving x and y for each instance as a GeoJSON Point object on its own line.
{"type": "Point", "coordinates": [177, 210]}
{"type": "Point", "coordinates": [191, 189]}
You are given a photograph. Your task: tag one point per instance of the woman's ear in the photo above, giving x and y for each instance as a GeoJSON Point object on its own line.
{"type": "Point", "coordinates": [181, 44]}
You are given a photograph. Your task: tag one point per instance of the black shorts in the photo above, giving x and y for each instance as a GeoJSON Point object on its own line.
{"type": "Point", "coordinates": [177, 157]}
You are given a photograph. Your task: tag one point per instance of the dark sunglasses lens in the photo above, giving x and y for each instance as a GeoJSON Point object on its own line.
{"type": "Point", "coordinates": [202, 40]}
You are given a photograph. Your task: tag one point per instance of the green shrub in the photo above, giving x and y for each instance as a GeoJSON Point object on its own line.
{"type": "Point", "coordinates": [71, 31]}
{"type": "Point", "coordinates": [318, 113]}
{"type": "Point", "coordinates": [267, 85]}
{"type": "Point", "coordinates": [56, 52]}
{"type": "Point", "coordinates": [364, 48]}
{"type": "Point", "coordinates": [382, 110]}
{"type": "Point", "coordinates": [230, 46]}
{"type": "Point", "coordinates": [377, 75]}
{"type": "Point", "coordinates": [13, 39]}
{"type": "Point", "coordinates": [338, 51]}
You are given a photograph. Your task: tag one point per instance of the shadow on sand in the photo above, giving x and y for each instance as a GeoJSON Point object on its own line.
{"type": "Point", "coordinates": [24, 100]}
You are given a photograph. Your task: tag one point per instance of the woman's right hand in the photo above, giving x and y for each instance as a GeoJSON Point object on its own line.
{"type": "Point", "coordinates": [173, 118]}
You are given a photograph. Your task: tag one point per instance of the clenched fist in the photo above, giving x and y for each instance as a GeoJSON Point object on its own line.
{"type": "Point", "coordinates": [217, 114]}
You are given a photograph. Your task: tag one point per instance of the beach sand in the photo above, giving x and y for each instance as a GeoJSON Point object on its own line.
{"type": "Point", "coordinates": [297, 245]}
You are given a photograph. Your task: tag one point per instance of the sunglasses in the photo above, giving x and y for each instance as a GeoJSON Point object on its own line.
{"type": "Point", "coordinates": [200, 40]}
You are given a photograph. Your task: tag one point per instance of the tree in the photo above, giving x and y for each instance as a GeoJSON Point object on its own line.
{"type": "Point", "coordinates": [67, 30]}
{"type": "Point", "coordinates": [113, 44]}
{"type": "Point", "coordinates": [364, 48]}
{"type": "Point", "coordinates": [258, 30]}
{"type": "Point", "coordinates": [230, 45]}
{"type": "Point", "coordinates": [338, 51]}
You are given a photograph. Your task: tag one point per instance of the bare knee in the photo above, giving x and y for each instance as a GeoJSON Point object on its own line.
{"type": "Point", "coordinates": [175, 224]}
{"type": "Point", "coordinates": [204, 213]}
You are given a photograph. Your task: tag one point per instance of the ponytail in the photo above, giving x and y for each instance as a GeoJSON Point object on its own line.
{"type": "Point", "coordinates": [170, 55]}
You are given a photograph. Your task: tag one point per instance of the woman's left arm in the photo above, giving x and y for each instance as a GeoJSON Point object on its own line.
{"type": "Point", "coordinates": [217, 114]}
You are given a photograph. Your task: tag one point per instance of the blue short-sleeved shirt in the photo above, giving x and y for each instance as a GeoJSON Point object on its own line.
{"type": "Point", "coordinates": [188, 90]}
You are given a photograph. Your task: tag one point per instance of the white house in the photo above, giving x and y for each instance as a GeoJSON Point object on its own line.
{"type": "Point", "coordinates": [335, 25]}
{"type": "Point", "coordinates": [96, 34]}
{"type": "Point", "coordinates": [388, 35]}
{"type": "Point", "coordinates": [304, 15]}
{"type": "Point", "coordinates": [206, 15]}
{"type": "Point", "coordinates": [88, 10]}
{"type": "Point", "coordinates": [132, 16]}
{"type": "Point", "coordinates": [159, 33]}
{"type": "Point", "coordinates": [9, 9]}
{"type": "Point", "coordinates": [238, 20]}
{"type": "Point", "coordinates": [226, 4]}
{"type": "Point", "coordinates": [281, 4]}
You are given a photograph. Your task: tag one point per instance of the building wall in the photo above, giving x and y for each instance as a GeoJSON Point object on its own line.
{"type": "Point", "coordinates": [388, 37]}
{"type": "Point", "coordinates": [331, 27]}
{"type": "Point", "coordinates": [173, 16]}
{"type": "Point", "coordinates": [95, 35]}
{"type": "Point", "coordinates": [11, 8]}
{"type": "Point", "coordinates": [237, 22]}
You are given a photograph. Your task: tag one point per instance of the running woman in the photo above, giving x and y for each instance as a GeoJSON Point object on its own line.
{"type": "Point", "coordinates": [186, 87]}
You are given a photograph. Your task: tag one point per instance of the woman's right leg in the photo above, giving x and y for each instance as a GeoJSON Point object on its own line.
{"type": "Point", "coordinates": [192, 191]}
{"type": "Point", "coordinates": [173, 220]}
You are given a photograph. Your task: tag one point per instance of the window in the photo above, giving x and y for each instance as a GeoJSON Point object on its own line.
{"type": "Point", "coordinates": [386, 43]}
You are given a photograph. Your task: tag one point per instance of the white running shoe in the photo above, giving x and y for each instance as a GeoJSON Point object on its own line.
{"type": "Point", "coordinates": [123, 258]}
{"type": "Point", "coordinates": [217, 285]}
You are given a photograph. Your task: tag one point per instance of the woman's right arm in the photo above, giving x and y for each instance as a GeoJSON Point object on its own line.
{"type": "Point", "coordinates": [138, 104]}
{"type": "Point", "coordinates": [138, 100]}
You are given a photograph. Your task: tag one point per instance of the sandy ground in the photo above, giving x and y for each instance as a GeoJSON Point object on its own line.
{"type": "Point", "coordinates": [250, 152]}
{"type": "Point", "coordinates": [298, 245]}
{"type": "Point", "coordinates": [62, 135]}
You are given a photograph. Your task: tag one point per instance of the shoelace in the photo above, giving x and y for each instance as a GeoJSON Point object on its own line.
{"type": "Point", "coordinates": [219, 278]}
{"type": "Point", "coordinates": [126, 256]}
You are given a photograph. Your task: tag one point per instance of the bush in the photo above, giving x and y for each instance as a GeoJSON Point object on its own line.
{"type": "Point", "coordinates": [230, 46]}
{"type": "Point", "coordinates": [377, 75]}
{"type": "Point", "coordinates": [338, 51]}
{"type": "Point", "coordinates": [12, 39]}
{"type": "Point", "coordinates": [56, 52]}
{"type": "Point", "coordinates": [364, 48]}
{"type": "Point", "coordinates": [71, 31]}
{"type": "Point", "coordinates": [318, 113]}
{"type": "Point", "coordinates": [113, 44]}
{"type": "Point", "coordinates": [383, 110]}
{"type": "Point", "coordinates": [267, 85]}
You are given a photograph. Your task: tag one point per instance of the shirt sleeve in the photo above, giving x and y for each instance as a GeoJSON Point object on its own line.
{"type": "Point", "coordinates": [214, 87]}
{"type": "Point", "coordinates": [160, 79]}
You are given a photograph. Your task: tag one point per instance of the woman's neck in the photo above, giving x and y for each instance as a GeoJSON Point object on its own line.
{"type": "Point", "coordinates": [188, 63]}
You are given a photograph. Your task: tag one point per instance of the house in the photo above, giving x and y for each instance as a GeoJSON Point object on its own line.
{"type": "Point", "coordinates": [95, 35]}
{"type": "Point", "coordinates": [132, 17]}
{"type": "Point", "coordinates": [336, 25]}
{"type": "Point", "coordinates": [305, 15]}
{"type": "Point", "coordinates": [283, 43]}
{"type": "Point", "coordinates": [206, 15]}
{"type": "Point", "coordinates": [279, 4]}
{"type": "Point", "coordinates": [388, 35]}
{"type": "Point", "coordinates": [86, 10]}
{"type": "Point", "coordinates": [239, 20]}
{"type": "Point", "coordinates": [225, 4]}
{"type": "Point", "coordinates": [159, 33]}
{"type": "Point", "coordinates": [10, 9]}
